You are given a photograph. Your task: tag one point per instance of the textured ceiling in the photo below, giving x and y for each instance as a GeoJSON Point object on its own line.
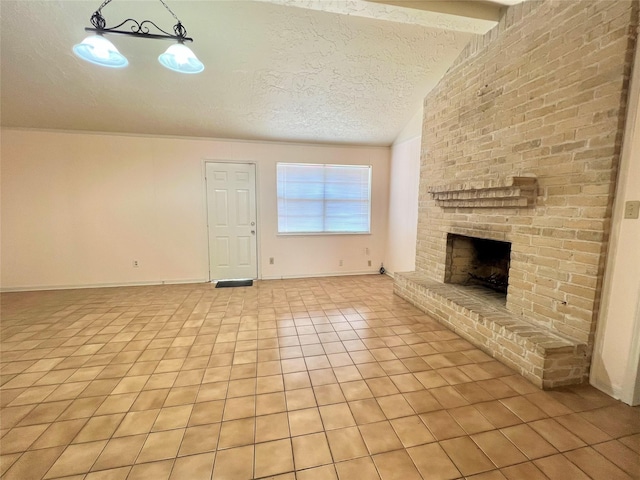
{"type": "Point", "coordinates": [289, 70]}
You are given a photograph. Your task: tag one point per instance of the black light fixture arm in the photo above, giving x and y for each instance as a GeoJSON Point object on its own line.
{"type": "Point", "coordinates": [137, 28]}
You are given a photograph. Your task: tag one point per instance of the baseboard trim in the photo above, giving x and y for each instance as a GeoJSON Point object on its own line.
{"type": "Point", "coordinates": [37, 288]}
{"type": "Point", "coordinates": [312, 275]}
{"type": "Point", "coordinates": [611, 390]}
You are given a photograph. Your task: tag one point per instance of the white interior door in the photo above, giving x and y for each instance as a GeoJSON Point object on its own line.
{"type": "Point", "coordinates": [231, 211]}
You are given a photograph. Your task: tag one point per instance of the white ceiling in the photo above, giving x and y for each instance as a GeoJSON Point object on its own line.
{"type": "Point", "coordinates": [335, 71]}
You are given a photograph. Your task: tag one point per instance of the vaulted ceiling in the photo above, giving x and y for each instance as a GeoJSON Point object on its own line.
{"type": "Point", "coordinates": [333, 71]}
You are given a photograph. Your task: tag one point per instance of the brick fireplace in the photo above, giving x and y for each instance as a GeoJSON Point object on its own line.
{"type": "Point", "coordinates": [520, 147]}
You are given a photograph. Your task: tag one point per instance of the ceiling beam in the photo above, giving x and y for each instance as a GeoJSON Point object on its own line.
{"type": "Point", "coordinates": [478, 9]}
{"type": "Point", "coordinates": [472, 17]}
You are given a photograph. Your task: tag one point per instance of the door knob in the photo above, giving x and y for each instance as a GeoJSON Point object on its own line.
{"type": "Point", "coordinates": [253, 232]}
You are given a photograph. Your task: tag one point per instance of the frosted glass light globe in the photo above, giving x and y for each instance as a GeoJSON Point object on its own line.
{"type": "Point", "coordinates": [100, 51]}
{"type": "Point", "coordinates": [180, 58]}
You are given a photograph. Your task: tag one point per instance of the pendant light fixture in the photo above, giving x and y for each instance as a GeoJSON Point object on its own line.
{"type": "Point", "coordinates": [100, 51]}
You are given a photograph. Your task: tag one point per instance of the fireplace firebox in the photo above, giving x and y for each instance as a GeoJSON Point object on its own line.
{"type": "Point", "coordinates": [478, 261]}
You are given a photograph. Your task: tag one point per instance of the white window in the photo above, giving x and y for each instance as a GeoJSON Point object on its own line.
{"type": "Point", "coordinates": [323, 198]}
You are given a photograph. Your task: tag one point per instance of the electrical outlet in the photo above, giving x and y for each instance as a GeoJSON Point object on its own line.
{"type": "Point", "coordinates": [135, 264]}
{"type": "Point", "coordinates": [632, 209]}
{"type": "Point", "coordinates": [369, 262]}
{"type": "Point", "coordinates": [340, 262]}
{"type": "Point", "coordinates": [271, 260]}
{"type": "Point", "coordinates": [366, 251]}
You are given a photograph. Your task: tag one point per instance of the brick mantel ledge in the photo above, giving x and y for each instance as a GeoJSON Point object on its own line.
{"type": "Point", "coordinates": [508, 192]}
{"type": "Point", "coordinates": [545, 358]}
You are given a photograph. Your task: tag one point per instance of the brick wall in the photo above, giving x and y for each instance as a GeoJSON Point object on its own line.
{"type": "Point", "coordinates": [542, 95]}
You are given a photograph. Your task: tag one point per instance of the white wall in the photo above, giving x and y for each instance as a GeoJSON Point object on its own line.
{"type": "Point", "coordinates": [616, 355]}
{"type": "Point", "coordinates": [78, 208]}
{"type": "Point", "coordinates": [403, 197]}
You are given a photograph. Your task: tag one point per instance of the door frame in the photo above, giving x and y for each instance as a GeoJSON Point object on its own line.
{"type": "Point", "coordinates": [206, 210]}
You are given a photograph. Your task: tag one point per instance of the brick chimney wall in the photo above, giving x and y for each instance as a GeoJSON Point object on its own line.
{"type": "Point", "coordinates": [542, 95]}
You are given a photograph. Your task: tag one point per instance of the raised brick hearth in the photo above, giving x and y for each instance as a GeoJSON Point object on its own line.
{"type": "Point", "coordinates": [546, 359]}
{"type": "Point", "coordinates": [520, 144]}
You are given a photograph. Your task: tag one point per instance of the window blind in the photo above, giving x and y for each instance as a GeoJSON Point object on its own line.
{"type": "Point", "coordinates": [316, 198]}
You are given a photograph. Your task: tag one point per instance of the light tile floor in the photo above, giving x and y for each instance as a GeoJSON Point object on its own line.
{"type": "Point", "coordinates": [312, 379]}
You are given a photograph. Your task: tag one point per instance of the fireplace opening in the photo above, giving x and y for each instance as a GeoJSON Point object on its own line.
{"type": "Point", "coordinates": [478, 261]}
